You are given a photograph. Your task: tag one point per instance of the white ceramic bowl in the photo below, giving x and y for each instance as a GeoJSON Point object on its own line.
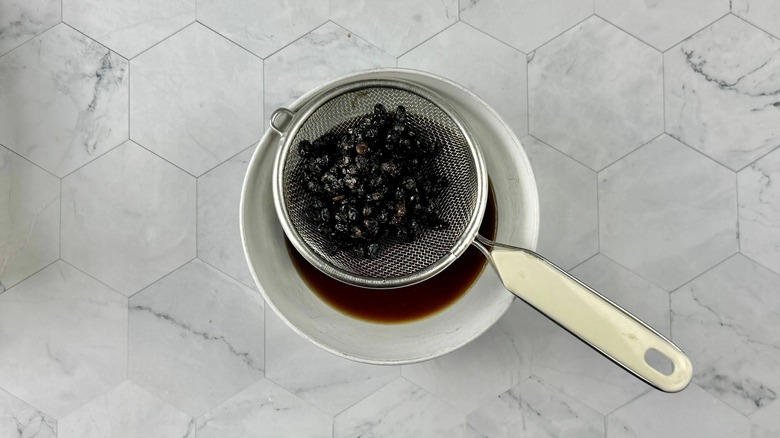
{"type": "Point", "coordinates": [463, 321]}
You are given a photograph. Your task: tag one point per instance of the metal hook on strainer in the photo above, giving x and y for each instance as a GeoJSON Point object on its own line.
{"type": "Point", "coordinates": [584, 312]}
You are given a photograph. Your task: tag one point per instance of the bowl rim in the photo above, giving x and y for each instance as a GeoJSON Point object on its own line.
{"type": "Point", "coordinates": [267, 141]}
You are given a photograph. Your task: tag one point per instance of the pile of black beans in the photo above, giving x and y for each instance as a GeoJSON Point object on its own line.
{"type": "Point", "coordinates": [373, 183]}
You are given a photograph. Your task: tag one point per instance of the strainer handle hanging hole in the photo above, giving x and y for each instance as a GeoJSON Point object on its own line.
{"type": "Point", "coordinates": [590, 316]}
{"type": "Point", "coordinates": [280, 128]}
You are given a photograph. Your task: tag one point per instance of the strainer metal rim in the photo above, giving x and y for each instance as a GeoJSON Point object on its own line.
{"type": "Point", "coordinates": [288, 133]}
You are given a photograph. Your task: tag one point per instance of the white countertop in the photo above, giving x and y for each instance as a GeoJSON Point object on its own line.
{"type": "Point", "coordinates": [126, 305]}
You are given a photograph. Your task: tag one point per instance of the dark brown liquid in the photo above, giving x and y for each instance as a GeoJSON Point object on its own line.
{"type": "Point", "coordinates": [407, 303]}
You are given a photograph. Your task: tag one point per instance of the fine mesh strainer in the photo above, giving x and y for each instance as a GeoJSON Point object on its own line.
{"type": "Point", "coordinates": [602, 324]}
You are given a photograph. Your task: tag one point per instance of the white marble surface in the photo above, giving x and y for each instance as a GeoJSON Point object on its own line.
{"type": "Point", "coordinates": [195, 338]}
{"type": "Point", "coordinates": [263, 26]}
{"type": "Point", "coordinates": [128, 251]}
{"type": "Point", "coordinates": [64, 339]}
{"type": "Point", "coordinates": [532, 409]}
{"type": "Point", "coordinates": [126, 411]}
{"type": "Point", "coordinates": [264, 410]}
{"type": "Point", "coordinates": [667, 212]}
{"type": "Point", "coordinates": [21, 21]}
{"type": "Point", "coordinates": [196, 99]}
{"type": "Point", "coordinates": [725, 106]}
{"type": "Point", "coordinates": [30, 219]}
{"type": "Point", "coordinates": [661, 23]}
{"type": "Point", "coordinates": [128, 27]}
{"type": "Point", "coordinates": [759, 215]}
{"type": "Point", "coordinates": [126, 306]}
{"type": "Point", "coordinates": [63, 100]}
{"type": "Point", "coordinates": [595, 93]}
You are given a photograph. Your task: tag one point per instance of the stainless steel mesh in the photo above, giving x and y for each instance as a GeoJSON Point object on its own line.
{"type": "Point", "coordinates": [458, 202]}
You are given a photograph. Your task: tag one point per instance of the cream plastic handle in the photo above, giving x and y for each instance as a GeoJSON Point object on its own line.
{"type": "Point", "coordinates": [587, 314]}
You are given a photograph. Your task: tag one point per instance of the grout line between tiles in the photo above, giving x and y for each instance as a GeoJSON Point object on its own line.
{"type": "Point", "coordinates": [296, 40]}
{"type": "Point", "coordinates": [636, 37]}
{"type": "Point", "coordinates": [426, 40]}
{"type": "Point", "coordinates": [548, 41]}
{"type": "Point", "coordinates": [7, 288]}
{"type": "Point", "coordinates": [94, 278]}
{"type": "Point", "coordinates": [776, 148]}
{"type": "Point", "coordinates": [167, 274]}
{"type": "Point", "coordinates": [59, 254]}
{"type": "Point", "coordinates": [164, 39]}
{"type": "Point", "coordinates": [229, 40]}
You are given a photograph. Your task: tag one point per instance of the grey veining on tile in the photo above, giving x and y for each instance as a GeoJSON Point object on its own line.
{"type": "Point", "coordinates": [763, 13]}
{"type": "Point", "coordinates": [692, 412]}
{"type": "Point", "coordinates": [22, 20]}
{"type": "Point", "coordinates": [722, 91]}
{"type": "Point", "coordinates": [126, 127]}
{"type": "Point", "coordinates": [126, 411]}
{"type": "Point", "coordinates": [128, 27]}
{"type": "Point", "coordinates": [759, 215]}
{"type": "Point", "coordinates": [532, 409]}
{"type": "Point", "coordinates": [20, 420]}
{"type": "Point", "coordinates": [595, 93]}
{"type": "Point", "coordinates": [63, 100]}
{"type": "Point", "coordinates": [128, 218]}
{"type": "Point", "coordinates": [320, 56]}
{"type": "Point", "coordinates": [479, 371]}
{"type": "Point", "coordinates": [264, 410]}
{"type": "Point", "coordinates": [196, 338]}
{"type": "Point", "coordinates": [70, 333]}
{"type": "Point", "coordinates": [667, 212]}
{"type": "Point", "coordinates": [399, 409]}
{"type": "Point", "coordinates": [29, 218]}
{"type": "Point", "coordinates": [724, 336]}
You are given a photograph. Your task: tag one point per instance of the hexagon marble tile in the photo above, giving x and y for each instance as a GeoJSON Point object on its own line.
{"type": "Point", "coordinates": [724, 335]}
{"type": "Point", "coordinates": [481, 370]}
{"type": "Point", "coordinates": [721, 88]}
{"type": "Point", "coordinates": [534, 408]}
{"type": "Point", "coordinates": [655, 174]}
{"type": "Point", "coordinates": [262, 27]}
{"type": "Point", "coordinates": [128, 27]}
{"type": "Point", "coordinates": [595, 93]}
{"type": "Point", "coordinates": [219, 236]}
{"type": "Point", "coordinates": [63, 100]}
{"type": "Point", "coordinates": [568, 234]}
{"type": "Point", "coordinates": [196, 99]}
{"type": "Point", "coordinates": [692, 412]}
{"type": "Point", "coordinates": [30, 219]}
{"type": "Point", "coordinates": [759, 214]}
{"type": "Point", "coordinates": [524, 24]}
{"type": "Point", "coordinates": [69, 331]}
{"type": "Point", "coordinates": [399, 409]}
{"type": "Point", "coordinates": [663, 23]}
{"type": "Point", "coordinates": [23, 420]}
{"type": "Point", "coordinates": [196, 338]}
{"type": "Point", "coordinates": [667, 212]}
{"type": "Point", "coordinates": [128, 251]}
{"type": "Point", "coordinates": [125, 411]}
{"type": "Point", "coordinates": [319, 56]}
{"type": "Point", "coordinates": [491, 69]}
{"type": "Point", "coordinates": [264, 410]}
{"type": "Point", "coordinates": [326, 381]}
{"type": "Point", "coordinates": [763, 13]}
{"type": "Point", "coordinates": [405, 23]}
{"type": "Point", "coordinates": [22, 20]}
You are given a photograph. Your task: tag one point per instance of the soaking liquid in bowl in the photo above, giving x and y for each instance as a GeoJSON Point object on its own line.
{"type": "Point", "coordinates": [408, 303]}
